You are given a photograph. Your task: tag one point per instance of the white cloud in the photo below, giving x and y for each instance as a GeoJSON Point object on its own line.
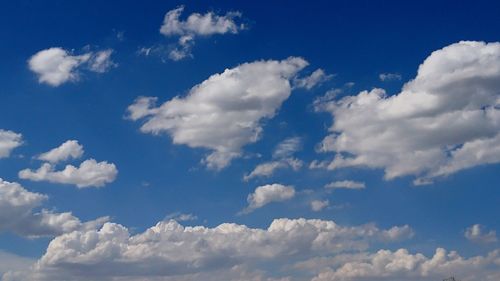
{"type": "Point", "coordinates": [476, 233]}
{"type": "Point", "coordinates": [9, 140]}
{"type": "Point", "coordinates": [101, 62]}
{"type": "Point", "coordinates": [283, 159]}
{"type": "Point", "coordinates": [90, 173]}
{"type": "Point", "coordinates": [55, 66]}
{"type": "Point", "coordinates": [266, 194]}
{"type": "Point", "coordinates": [318, 205]}
{"type": "Point", "coordinates": [316, 78]}
{"type": "Point", "coordinates": [347, 184]}
{"type": "Point", "coordinates": [18, 215]}
{"type": "Point", "coordinates": [445, 120]}
{"type": "Point", "coordinates": [169, 250]}
{"type": "Point", "coordinates": [178, 216]}
{"type": "Point", "coordinates": [389, 76]}
{"type": "Point", "coordinates": [67, 150]}
{"type": "Point", "coordinates": [196, 25]}
{"type": "Point", "coordinates": [224, 112]}
{"type": "Point", "coordinates": [287, 147]}
{"type": "Point", "coordinates": [386, 265]}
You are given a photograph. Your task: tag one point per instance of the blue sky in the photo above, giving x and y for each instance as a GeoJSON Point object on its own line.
{"type": "Point", "coordinates": [248, 79]}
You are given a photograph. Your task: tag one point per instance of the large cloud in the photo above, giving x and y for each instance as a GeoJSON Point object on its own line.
{"type": "Point", "coordinates": [224, 112]}
{"type": "Point", "coordinates": [55, 66]}
{"type": "Point", "coordinates": [171, 250]}
{"type": "Point", "coordinates": [196, 25]}
{"type": "Point", "coordinates": [90, 173]}
{"type": "Point", "coordinates": [9, 140]}
{"type": "Point", "coordinates": [445, 120]}
{"type": "Point", "coordinates": [18, 215]}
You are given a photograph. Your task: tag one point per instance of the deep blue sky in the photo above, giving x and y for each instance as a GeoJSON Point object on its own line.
{"type": "Point", "coordinates": [355, 40]}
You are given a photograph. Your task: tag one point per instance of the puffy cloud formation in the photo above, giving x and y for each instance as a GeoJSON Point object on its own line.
{"type": "Point", "coordinates": [318, 205]}
{"type": "Point", "coordinates": [266, 194]}
{"type": "Point", "coordinates": [347, 184]}
{"type": "Point", "coordinates": [169, 251]}
{"type": "Point", "coordinates": [316, 78]}
{"type": "Point", "coordinates": [67, 150]}
{"type": "Point", "coordinates": [9, 140]}
{"type": "Point", "coordinates": [283, 159]}
{"type": "Point", "coordinates": [389, 76]}
{"type": "Point", "coordinates": [477, 233]}
{"type": "Point", "coordinates": [445, 120]}
{"type": "Point", "coordinates": [196, 25]}
{"type": "Point", "coordinates": [18, 215]}
{"type": "Point", "coordinates": [224, 112]}
{"type": "Point", "coordinates": [401, 265]}
{"type": "Point", "coordinates": [90, 173]}
{"type": "Point", "coordinates": [55, 66]}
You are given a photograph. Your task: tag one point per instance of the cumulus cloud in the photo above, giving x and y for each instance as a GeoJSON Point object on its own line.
{"type": "Point", "coordinates": [282, 159]}
{"type": "Point", "coordinates": [55, 66]}
{"type": "Point", "coordinates": [70, 149]}
{"type": "Point", "coordinates": [18, 214]}
{"type": "Point", "coordinates": [387, 265]}
{"type": "Point", "coordinates": [477, 233]}
{"type": "Point", "coordinates": [9, 140]}
{"type": "Point", "coordinates": [170, 250]}
{"type": "Point", "coordinates": [224, 112]}
{"type": "Point", "coordinates": [346, 184]}
{"type": "Point", "coordinates": [318, 205]}
{"type": "Point", "coordinates": [195, 25]}
{"type": "Point", "coordinates": [90, 173]}
{"type": "Point", "coordinates": [445, 120]}
{"type": "Point", "coordinates": [389, 76]}
{"type": "Point", "coordinates": [316, 78]}
{"type": "Point", "coordinates": [266, 194]}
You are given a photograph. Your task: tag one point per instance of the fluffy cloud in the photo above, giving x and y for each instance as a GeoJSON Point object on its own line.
{"type": "Point", "coordinates": [266, 194]}
{"type": "Point", "coordinates": [9, 141]}
{"type": "Point", "coordinates": [90, 173]}
{"type": "Point", "coordinates": [445, 120]}
{"type": "Point", "coordinates": [55, 66]}
{"type": "Point", "coordinates": [196, 25]}
{"type": "Point", "coordinates": [224, 112]}
{"type": "Point", "coordinates": [67, 150]}
{"type": "Point", "coordinates": [389, 76]}
{"type": "Point", "coordinates": [18, 215]}
{"type": "Point", "coordinates": [476, 233]}
{"type": "Point", "coordinates": [318, 205]}
{"type": "Point", "coordinates": [316, 78]}
{"type": "Point", "coordinates": [347, 184]}
{"type": "Point", "coordinates": [169, 250]}
{"type": "Point", "coordinates": [402, 265]}
{"type": "Point", "coordinates": [283, 159]}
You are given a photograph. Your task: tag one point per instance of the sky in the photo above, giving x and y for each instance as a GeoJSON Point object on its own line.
{"type": "Point", "coordinates": [266, 141]}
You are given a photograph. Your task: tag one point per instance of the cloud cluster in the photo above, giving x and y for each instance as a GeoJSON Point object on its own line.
{"type": "Point", "coordinates": [90, 173]}
{"type": "Point", "coordinates": [56, 66]}
{"type": "Point", "coordinates": [282, 159]}
{"type": "Point", "coordinates": [445, 120]}
{"type": "Point", "coordinates": [401, 265]}
{"type": "Point", "coordinates": [169, 250]}
{"type": "Point", "coordinates": [224, 112]}
{"type": "Point", "coordinates": [268, 193]}
{"type": "Point", "coordinates": [9, 140]}
{"type": "Point", "coordinates": [18, 214]}
{"type": "Point", "coordinates": [477, 233]}
{"type": "Point", "coordinates": [196, 25]}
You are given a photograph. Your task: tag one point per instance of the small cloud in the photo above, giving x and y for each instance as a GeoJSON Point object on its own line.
{"type": "Point", "coordinates": [266, 194]}
{"type": "Point", "coordinates": [180, 217]}
{"type": "Point", "coordinates": [316, 78]}
{"type": "Point", "coordinates": [389, 77]}
{"type": "Point", "coordinates": [477, 233]}
{"type": "Point", "coordinates": [345, 184]}
{"type": "Point", "coordinates": [318, 205]}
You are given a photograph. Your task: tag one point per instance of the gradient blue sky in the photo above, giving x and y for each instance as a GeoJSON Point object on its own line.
{"type": "Point", "coordinates": [354, 41]}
